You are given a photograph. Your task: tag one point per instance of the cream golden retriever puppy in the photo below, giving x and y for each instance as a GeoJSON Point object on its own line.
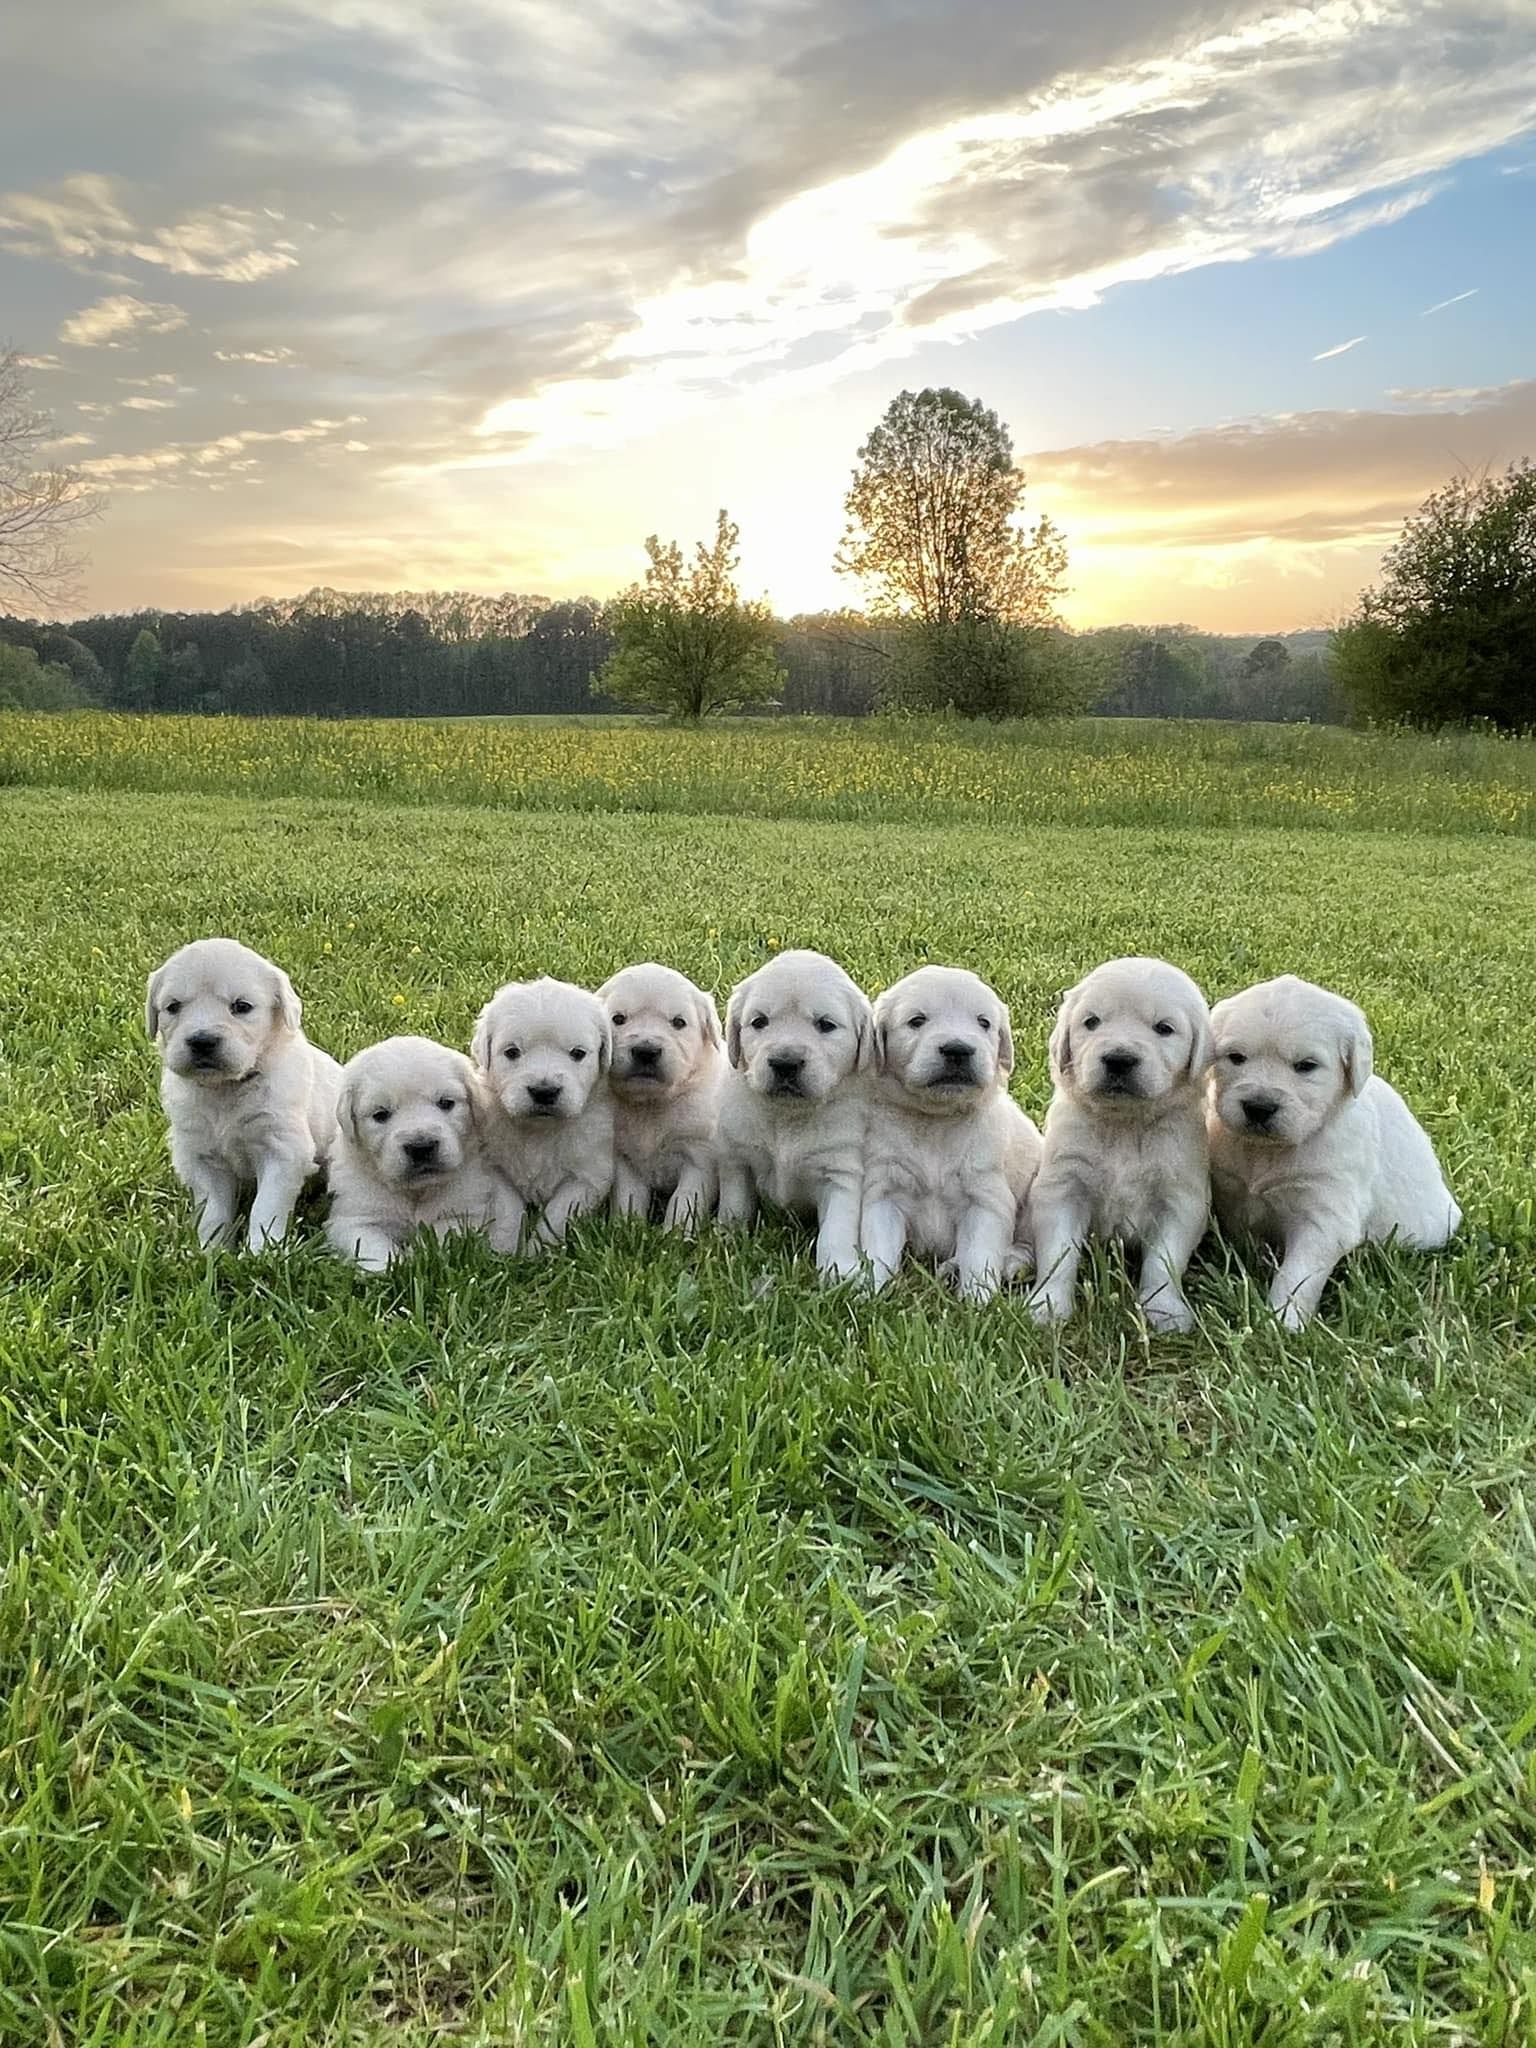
{"type": "Point", "coordinates": [251, 1103]}
{"type": "Point", "coordinates": [950, 1155]}
{"type": "Point", "coordinates": [668, 1063]}
{"type": "Point", "coordinates": [1310, 1150]}
{"type": "Point", "coordinates": [1125, 1150]}
{"type": "Point", "coordinates": [409, 1154]}
{"type": "Point", "coordinates": [800, 1038]}
{"type": "Point", "coordinates": [544, 1048]}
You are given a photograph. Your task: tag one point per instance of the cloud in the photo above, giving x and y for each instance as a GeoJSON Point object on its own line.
{"type": "Point", "coordinates": [254, 355]}
{"type": "Point", "coordinates": [1441, 304]}
{"type": "Point", "coordinates": [213, 460]}
{"type": "Point", "coordinates": [148, 404]}
{"type": "Point", "coordinates": [109, 322]}
{"type": "Point", "coordinates": [1312, 478]}
{"type": "Point", "coordinates": [83, 221]}
{"type": "Point", "coordinates": [1341, 348]}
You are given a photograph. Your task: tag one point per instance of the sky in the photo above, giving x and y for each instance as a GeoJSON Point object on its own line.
{"type": "Point", "coordinates": [383, 294]}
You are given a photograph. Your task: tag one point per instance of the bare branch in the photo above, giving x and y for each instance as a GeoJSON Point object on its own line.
{"type": "Point", "coordinates": [41, 505]}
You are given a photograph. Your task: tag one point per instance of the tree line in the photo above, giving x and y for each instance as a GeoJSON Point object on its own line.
{"type": "Point", "coordinates": [340, 654]}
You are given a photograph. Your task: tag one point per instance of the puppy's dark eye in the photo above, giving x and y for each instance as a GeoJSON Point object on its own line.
{"type": "Point", "coordinates": [382, 1116]}
{"type": "Point", "coordinates": [1304, 1066]}
{"type": "Point", "coordinates": [619, 1017]}
{"type": "Point", "coordinates": [916, 1023]}
{"type": "Point", "coordinates": [1238, 1059]}
{"type": "Point", "coordinates": [241, 1008]}
{"type": "Point", "coordinates": [679, 1023]}
{"type": "Point", "coordinates": [578, 1052]}
{"type": "Point", "coordinates": [759, 1022]}
{"type": "Point", "coordinates": [172, 1009]}
{"type": "Point", "coordinates": [1163, 1028]}
{"type": "Point", "coordinates": [985, 1023]}
{"type": "Point", "coordinates": [825, 1025]}
{"type": "Point", "coordinates": [512, 1052]}
{"type": "Point", "coordinates": [446, 1103]}
{"type": "Point", "coordinates": [1090, 1023]}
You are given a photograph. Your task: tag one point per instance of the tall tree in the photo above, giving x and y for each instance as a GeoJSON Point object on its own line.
{"type": "Point", "coordinates": [1449, 635]}
{"type": "Point", "coordinates": [685, 640]}
{"type": "Point", "coordinates": [934, 519]}
{"type": "Point", "coordinates": [935, 533]}
{"type": "Point", "coordinates": [145, 672]}
{"type": "Point", "coordinates": [41, 505]}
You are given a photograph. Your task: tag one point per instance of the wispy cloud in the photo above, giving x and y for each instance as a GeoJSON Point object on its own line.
{"type": "Point", "coordinates": [1441, 304]}
{"type": "Point", "coordinates": [1341, 348]}
{"type": "Point", "coordinates": [116, 322]}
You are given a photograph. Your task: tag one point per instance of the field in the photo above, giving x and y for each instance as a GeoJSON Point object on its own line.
{"type": "Point", "coordinates": [648, 1646]}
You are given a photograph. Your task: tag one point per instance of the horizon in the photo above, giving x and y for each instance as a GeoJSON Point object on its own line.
{"type": "Point", "coordinates": [326, 296]}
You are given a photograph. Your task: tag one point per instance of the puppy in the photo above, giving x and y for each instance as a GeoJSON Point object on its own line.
{"type": "Point", "coordinates": [544, 1048]}
{"type": "Point", "coordinates": [1125, 1150]}
{"type": "Point", "coordinates": [950, 1155]}
{"type": "Point", "coordinates": [667, 1067]}
{"type": "Point", "coordinates": [251, 1103]}
{"type": "Point", "coordinates": [1309, 1149]}
{"type": "Point", "coordinates": [800, 1038]}
{"type": "Point", "coordinates": [408, 1154]}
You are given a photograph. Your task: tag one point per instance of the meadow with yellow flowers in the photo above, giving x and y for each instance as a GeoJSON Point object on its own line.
{"type": "Point", "coordinates": [648, 1645]}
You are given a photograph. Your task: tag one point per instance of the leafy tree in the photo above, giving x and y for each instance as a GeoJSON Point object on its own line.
{"type": "Point", "coordinates": [40, 505]}
{"type": "Point", "coordinates": [935, 534]}
{"type": "Point", "coordinates": [145, 670]}
{"type": "Point", "coordinates": [184, 681]}
{"type": "Point", "coordinates": [1266, 658]}
{"type": "Point", "coordinates": [27, 684]}
{"type": "Point", "coordinates": [685, 641]}
{"type": "Point", "coordinates": [1449, 635]}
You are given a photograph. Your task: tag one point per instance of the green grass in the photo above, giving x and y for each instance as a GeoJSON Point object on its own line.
{"type": "Point", "coordinates": [648, 1646]}
{"type": "Point", "coordinates": [1102, 771]}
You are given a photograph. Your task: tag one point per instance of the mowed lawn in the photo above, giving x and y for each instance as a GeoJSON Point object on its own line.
{"type": "Point", "coordinates": [648, 1645]}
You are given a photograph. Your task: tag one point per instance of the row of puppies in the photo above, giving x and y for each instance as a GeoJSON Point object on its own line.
{"type": "Point", "coordinates": [891, 1125]}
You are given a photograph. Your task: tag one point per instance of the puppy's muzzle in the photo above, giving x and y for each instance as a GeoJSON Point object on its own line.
{"type": "Point", "coordinates": [957, 1065]}
{"type": "Point", "coordinates": [786, 1070]}
{"type": "Point", "coordinates": [203, 1050]}
{"type": "Point", "coordinates": [1260, 1111]}
{"type": "Point", "coordinates": [421, 1156]}
{"type": "Point", "coordinates": [1117, 1073]}
{"type": "Point", "coordinates": [544, 1097]}
{"type": "Point", "coordinates": [643, 1061]}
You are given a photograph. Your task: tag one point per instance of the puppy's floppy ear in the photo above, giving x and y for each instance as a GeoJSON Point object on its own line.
{"type": "Point", "coordinates": [1061, 1036]}
{"type": "Point", "coordinates": [708, 1016]}
{"type": "Point", "coordinates": [1357, 1050]}
{"type": "Point", "coordinates": [285, 1000]}
{"type": "Point", "coordinates": [604, 1040]}
{"type": "Point", "coordinates": [882, 1027]}
{"type": "Point", "coordinates": [480, 1044]}
{"type": "Point", "coordinates": [476, 1092]}
{"type": "Point", "coordinates": [733, 1012]}
{"type": "Point", "coordinates": [1202, 1047]}
{"type": "Point", "coordinates": [152, 1003]}
{"type": "Point", "coordinates": [863, 1031]}
{"type": "Point", "coordinates": [1004, 1040]}
{"type": "Point", "coordinates": [346, 1109]}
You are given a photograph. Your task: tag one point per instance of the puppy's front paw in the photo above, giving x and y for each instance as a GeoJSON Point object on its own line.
{"type": "Point", "coordinates": [1048, 1312]}
{"type": "Point", "coordinates": [1169, 1315]}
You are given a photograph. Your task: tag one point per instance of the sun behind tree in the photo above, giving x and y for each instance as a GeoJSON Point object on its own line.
{"type": "Point", "coordinates": [686, 641]}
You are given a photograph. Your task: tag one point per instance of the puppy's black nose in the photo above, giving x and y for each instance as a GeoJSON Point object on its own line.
{"type": "Point", "coordinates": [420, 1151]}
{"type": "Point", "coordinates": [957, 1052]}
{"type": "Point", "coordinates": [645, 1055]}
{"type": "Point", "coordinates": [545, 1093]}
{"type": "Point", "coordinates": [786, 1065]}
{"type": "Point", "coordinates": [1260, 1110]}
{"type": "Point", "coordinates": [1121, 1063]}
{"type": "Point", "coordinates": [203, 1042]}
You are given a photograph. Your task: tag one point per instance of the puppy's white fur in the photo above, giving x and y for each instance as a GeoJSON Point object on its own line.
{"type": "Point", "coordinates": [1310, 1149]}
{"type": "Point", "coordinates": [544, 1048]}
{"type": "Point", "coordinates": [950, 1154]}
{"type": "Point", "coordinates": [251, 1103]}
{"type": "Point", "coordinates": [409, 1154]}
{"type": "Point", "coordinates": [1125, 1149]}
{"type": "Point", "coordinates": [668, 1064]}
{"type": "Point", "coordinates": [793, 1108]}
